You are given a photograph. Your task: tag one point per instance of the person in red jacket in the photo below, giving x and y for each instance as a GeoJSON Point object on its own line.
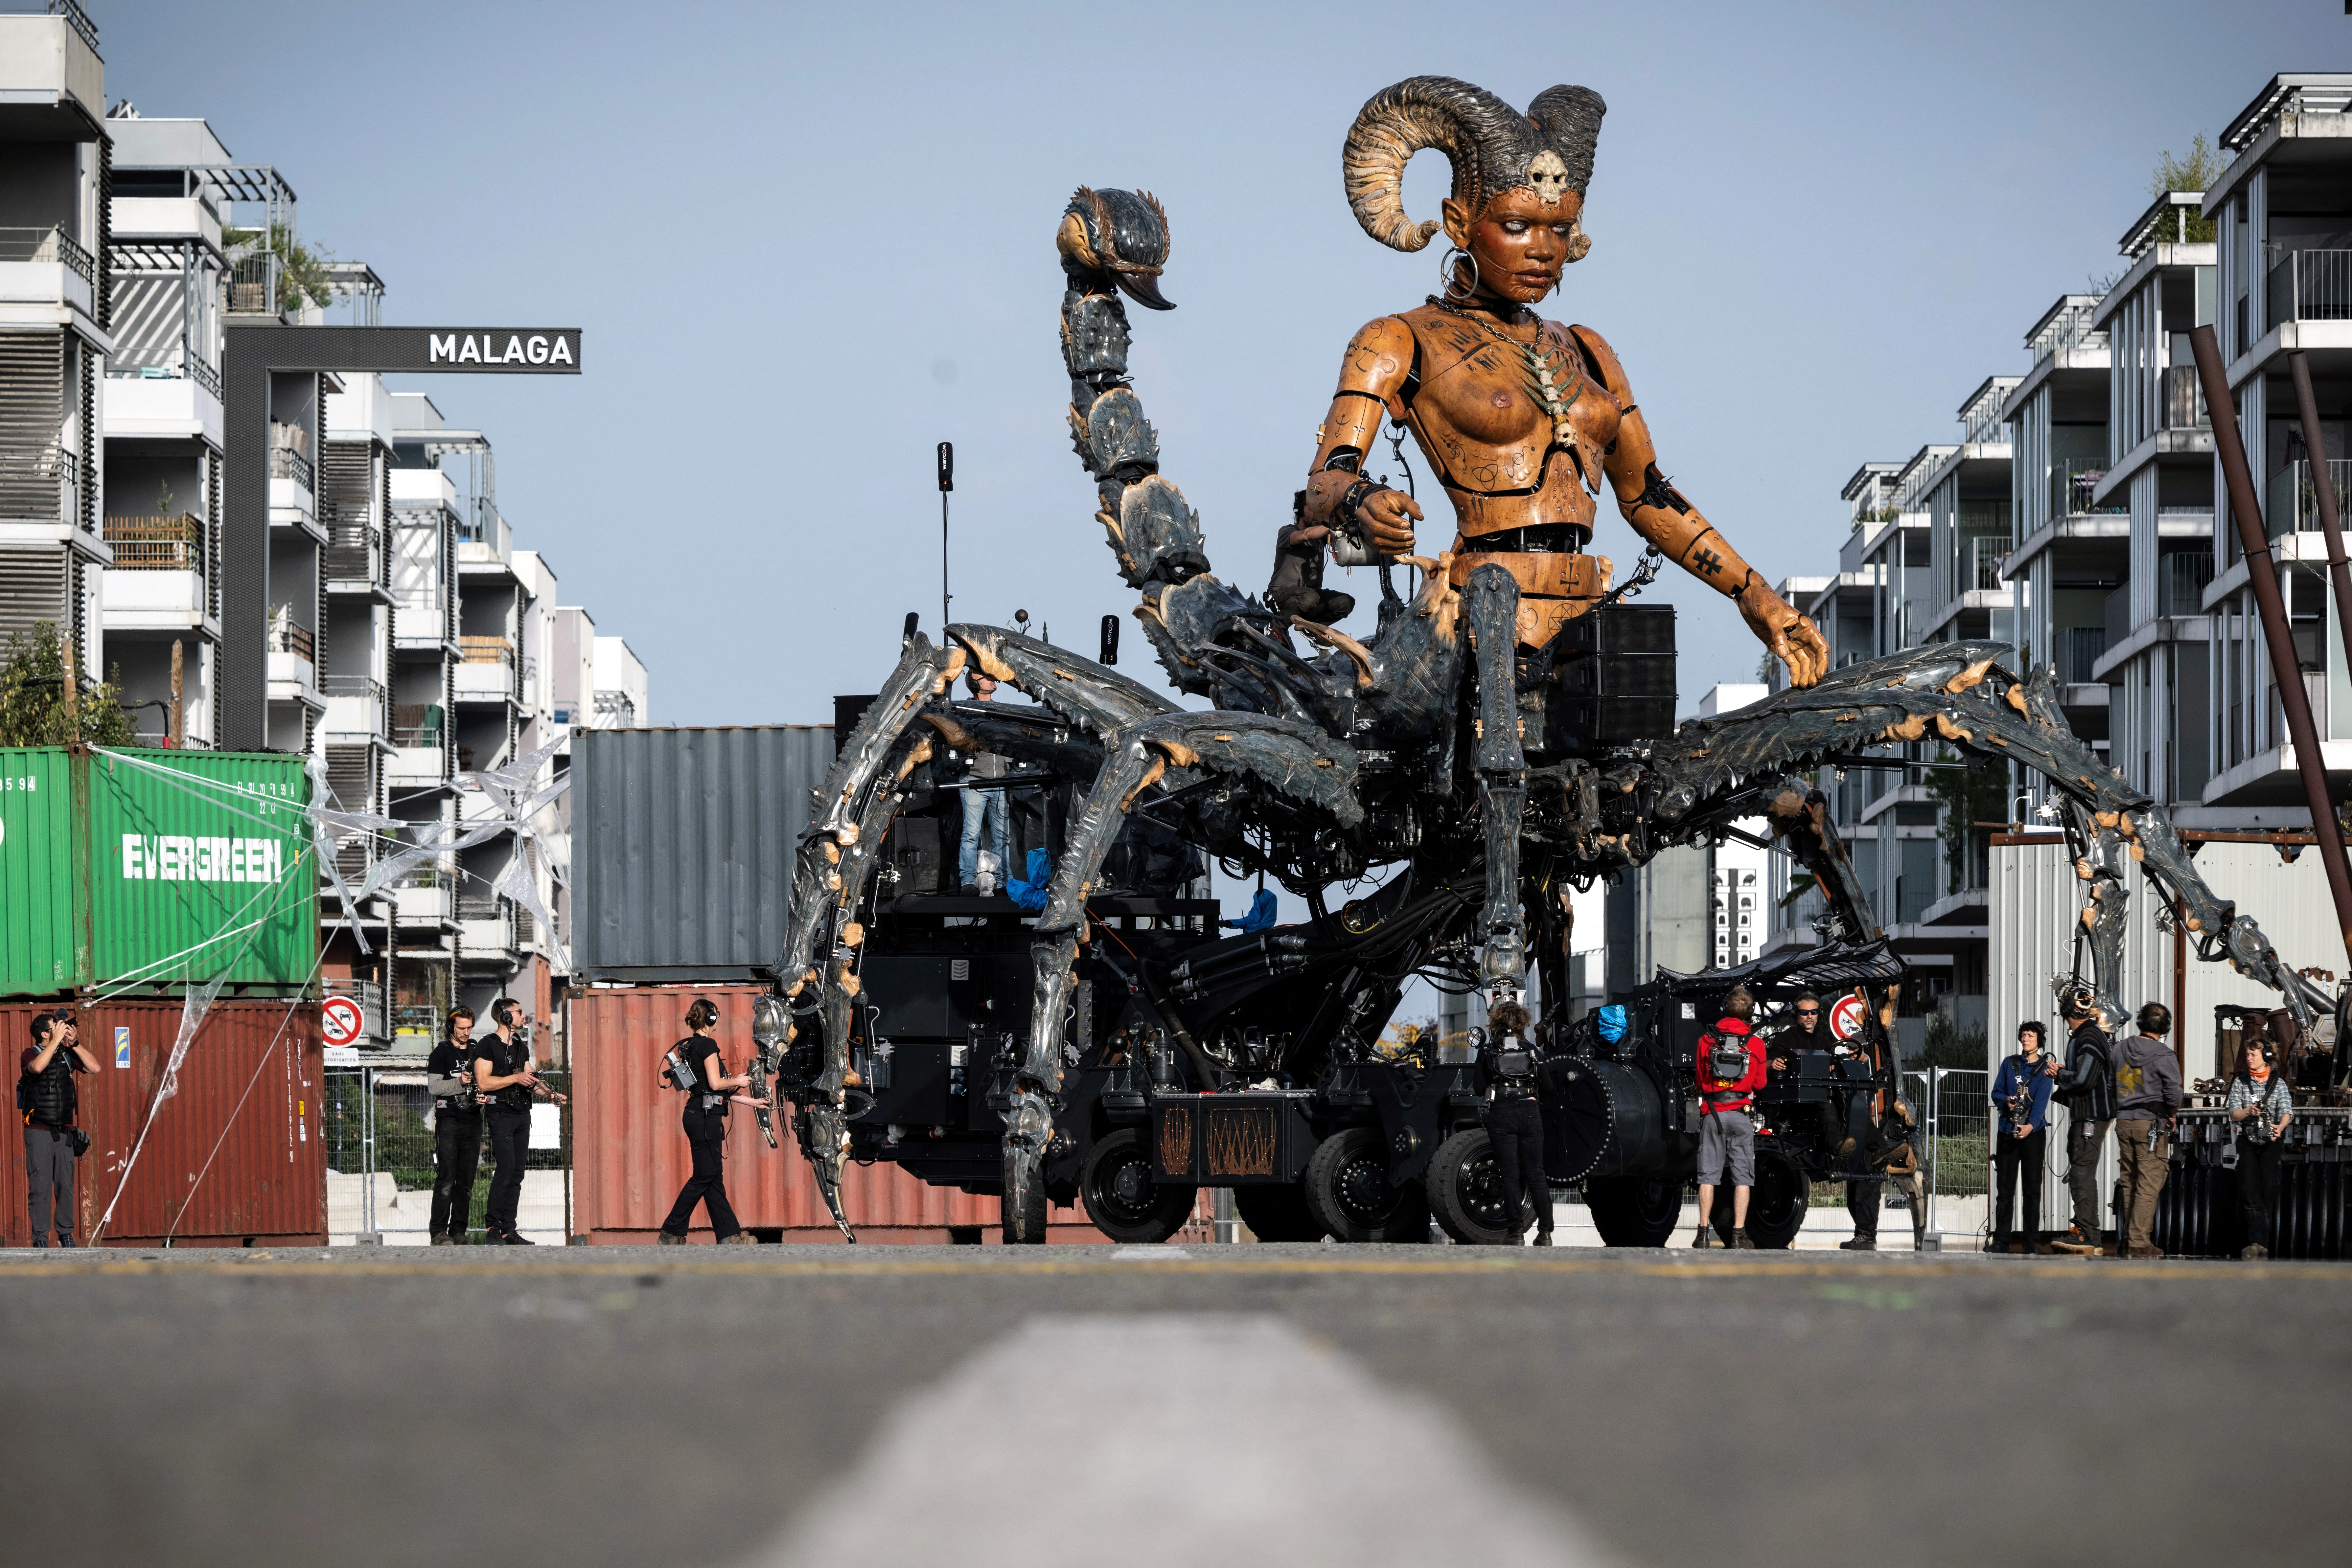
{"type": "Point", "coordinates": [1727, 1133]}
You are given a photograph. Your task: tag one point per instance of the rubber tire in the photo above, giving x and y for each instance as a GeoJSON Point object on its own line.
{"type": "Point", "coordinates": [1462, 1197]}
{"type": "Point", "coordinates": [1161, 1212]}
{"type": "Point", "coordinates": [1349, 1166]}
{"type": "Point", "coordinates": [1277, 1213]}
{"type": "Point", "coordinates": [1025, 1228]}
{"type": "Point", "coordinates": [1776, 1204]}
{"type": "Point", "coordinates": [1635, 1210]}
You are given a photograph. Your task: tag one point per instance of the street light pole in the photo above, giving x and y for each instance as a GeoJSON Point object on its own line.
{"type": "Point", "coordinates": [947, 483]}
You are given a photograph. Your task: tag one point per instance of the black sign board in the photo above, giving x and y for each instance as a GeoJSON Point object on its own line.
{"type": "Point", "coordinates": [252, 354]}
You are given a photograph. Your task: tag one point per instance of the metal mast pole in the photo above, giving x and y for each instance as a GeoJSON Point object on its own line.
{"type": "Point", "coordinates": [947, 483]}
{"type": "Point", "coordinates": [2286, 672]}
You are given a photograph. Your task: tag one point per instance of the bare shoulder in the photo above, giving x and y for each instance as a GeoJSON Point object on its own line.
{"type": "Point", "coordinates": [1379, 357]}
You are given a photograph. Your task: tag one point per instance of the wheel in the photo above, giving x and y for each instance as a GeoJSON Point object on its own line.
{"type": "Point", "coordinates": [1635, 1210]}
{"type": "Point", "coordinates": [1120, 1196]}
{"type": "Point", "coordinates": [1024, 1217]}
{"type": "Point", "coordinates": [1465, 1192]}
{"type": "Point", "coordinates": [1277, 1213]}
{"type": "Point", "coordinates": [1349, 1195]}
{"type": "Point", "coordinates": [1775, 1204]}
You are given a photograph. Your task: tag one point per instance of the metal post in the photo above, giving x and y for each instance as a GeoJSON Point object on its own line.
{"type": "Point", "coordinates": [1935, 1139]}
{"type": "Point", "coordinates": [367, 1156]}
{"type": "Point", "coordinates": [2286, 673]}
{"type": "Point", "coordinates": [947, 483]}
{"type": "Point", "coordinates": [2323, 484]}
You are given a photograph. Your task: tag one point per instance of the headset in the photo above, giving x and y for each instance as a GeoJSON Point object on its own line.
{"type": "Point", "coordinates": [703, 1014]}
{"type": "Point", "coordinates": [503, 1011]}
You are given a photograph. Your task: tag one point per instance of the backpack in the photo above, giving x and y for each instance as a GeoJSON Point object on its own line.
{"type": "Point", "coordinates": [1727, 1057]}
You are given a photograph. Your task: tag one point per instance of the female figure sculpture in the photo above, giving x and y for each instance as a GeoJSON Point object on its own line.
{"type": "Point", "coordinates": [1524, 419]}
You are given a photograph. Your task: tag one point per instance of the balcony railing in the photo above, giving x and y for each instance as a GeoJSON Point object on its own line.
{"type": "Point", "coordinates": [286, 636]}
{"type": "Point", "coordinates": [166, 361]}
{"type": "Point", "coordinates": [1980, 559]}
{"type": "Point", "coordinates": [49, 244]}
{"type": "Point", "coordinates": [285, 462]}
{"type": "Point", "coordinates": [2184, 398]}
{"type": "Point", "coordinates": [2293, 505]}
{"type": "Point", "coordinates": [2181, 583]}
{"type": "Point", "coordinates": [354, 704]}
{"type": "Point", "coordinates": [2072, 480]}
{"type": "Point", "coordinates": [354, 552]}
{"type": "Point", "coordinates": [486, 650]}
{"type": "Point", "coordinates": [2118, 616]}
{"type": "Point", "coordinates": [158, 543]}
{"type": "Point", "coordinates": [2079, 648]}
{"type": "Point", "coordinates": [40, 483]}
{"type": "Point", "coordinates": [2311, 286]}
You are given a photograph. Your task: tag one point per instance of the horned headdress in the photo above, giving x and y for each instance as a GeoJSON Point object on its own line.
{"type": "Point", "coordinates": [1493, 147]}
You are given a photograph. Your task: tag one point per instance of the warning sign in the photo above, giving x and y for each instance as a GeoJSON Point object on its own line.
{"type": "Point", "coordinates": [339, 1020]}
{"type": "Point", "coordinates": [1845, 1016]}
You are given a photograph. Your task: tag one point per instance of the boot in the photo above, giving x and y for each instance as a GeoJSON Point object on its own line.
{"type": "Point", "coordinates": [1704, 1237]}
{"type": "Point", "coordinates": [2075, 1241]}
{"type": "Point", "coordinates": [441, 1239]}
{"type": "Point", "coordinates": [666, 1239]}
{"type": "Point", "coordinates": [1743, 1241]}
{"type": "Point", "coordinates": [1543, 1237]}
{"type": "Point", "coordinates": [1860, 1243]}
{"type": "Point", "coordinates": [2255, 1249]}
{"type": "Point", "coordinates": [740, 1238]}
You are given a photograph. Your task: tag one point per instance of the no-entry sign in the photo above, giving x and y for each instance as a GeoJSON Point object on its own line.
{"type": "Point", "coordinates": [338, 1022]}
{"type": "Point", "coordinates": [1845, 1016]}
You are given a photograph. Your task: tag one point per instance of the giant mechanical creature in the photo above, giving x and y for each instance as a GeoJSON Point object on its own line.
{"type": "Point", "coordinates": [1464, 751]}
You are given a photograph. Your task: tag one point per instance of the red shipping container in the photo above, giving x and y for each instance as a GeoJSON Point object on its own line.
{"type": "Point", "coordinates": [630, 1157]}
{"type": "Point", "coordinates": [233, 1159]}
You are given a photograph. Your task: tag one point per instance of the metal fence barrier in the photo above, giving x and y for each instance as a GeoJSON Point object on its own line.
{"type": "Point", "coordinates": [1959, 1116]}
{"type": "Point", "coordinates": [379, 1120]}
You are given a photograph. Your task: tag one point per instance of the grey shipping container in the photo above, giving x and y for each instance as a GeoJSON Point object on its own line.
{"type": "Point", "coordinates": [682, 848]}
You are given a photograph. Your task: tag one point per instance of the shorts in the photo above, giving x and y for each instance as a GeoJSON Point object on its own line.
{"type": "Point", "coordinates": [1727, 1137]}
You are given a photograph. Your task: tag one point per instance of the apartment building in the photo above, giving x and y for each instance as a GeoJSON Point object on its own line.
{"type": "Point", "coordinates": [2283, 283]}
{"type": "Point", "coordinates": [56, 333]}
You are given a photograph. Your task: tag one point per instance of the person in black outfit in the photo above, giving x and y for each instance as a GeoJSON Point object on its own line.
{"type": "Point", "coordinates": [2087, 1089]}
{"type": "Point", "coordinates": [44, 1090]}
{"type": "Point", "coordinates": [456, 1130]}
{"type": "Point", "coordinates": [1515, 1122]}
{"type": "Point", "coordinates": [695, 1066]}
{"type": "Point", "coordinates": [504, 1070]}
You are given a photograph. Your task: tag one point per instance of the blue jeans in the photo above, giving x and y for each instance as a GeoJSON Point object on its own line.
{"type": "Point", "coordinates": [988, 804]}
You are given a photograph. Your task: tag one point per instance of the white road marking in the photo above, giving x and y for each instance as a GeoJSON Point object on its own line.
{"type": "Point", "coordinates": [1160, 1254]}
{"type": "Point", "coordinates": [1206, 1440]}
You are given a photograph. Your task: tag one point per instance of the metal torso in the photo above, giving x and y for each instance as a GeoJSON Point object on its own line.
{"type": "Point", "coordinates": [1522, 497]}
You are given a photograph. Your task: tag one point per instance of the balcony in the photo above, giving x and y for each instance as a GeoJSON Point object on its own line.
{"type": "Point", "coordinates": [2292, 506]}
{"type": "Point", "coordinates": [45, 267]}
{"type": "Point", "coordinates": [1980, 560]}
{"type": "Point", "coordinates": [159, 579]}
{"type": "Point", "coordinates": [420, 617]}
{"type": "Point", "coordinates": [420, 739]}
{"type": "Point", "coordinates": [2079, 650]}
{"type": "Point", "coordinates": [354, 557]}
{"type": "Point", "coordinates": [285, 462]}
{"type": "Point", "coordinates": [487, 670]}
{"type": "Point", "coordinates": [486, 923]}
{"type": "Point", "coordinates": [2181, 583]}
{"type": "Point", "coordinates": [2311, 286]}
{"type": "Point", "coordinates": [355, 704]}
{"type": "Point", "coordinates": [2072, 481]}
{"type": "Point", "coordinates": [40, 483]}
{"type": "Point", "coordinates": [293, 656]}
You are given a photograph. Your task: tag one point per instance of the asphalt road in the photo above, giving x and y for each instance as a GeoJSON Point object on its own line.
{"type": "Point", "coordinates": [1252, 1404]}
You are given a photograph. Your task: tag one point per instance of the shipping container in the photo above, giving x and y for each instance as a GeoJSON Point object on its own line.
{"type": "Point", "coordinates": [154, 868]}
{"type": "Point", "coordinates": [630, 1155]}
{"type": "Point", "coordinates": [234, 1159]}
{"type": "Point", "coordinates": [682, 846]}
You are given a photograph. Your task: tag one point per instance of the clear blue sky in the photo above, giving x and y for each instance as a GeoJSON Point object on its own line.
{"type": "Point", "coordinates": [807, 242]}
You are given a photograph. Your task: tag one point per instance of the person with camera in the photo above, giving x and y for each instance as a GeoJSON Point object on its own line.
{"type": "Point", "coordinates": [457, 1129]}
{"type": "Point", "coordinates": [2087, 1089]}
{"type": "Point", "coordinates": [1730, 1070]}
{"type": "Point", "coordinates": [505, 1073]}
{"type": "Point", "coordinates": [984, 805]}
{"type": "Point", "coordinates": [47, 1098]}
{"type": "Point", "coordinates": [2021, 1104]}
{"type": "Point", "coordinates": [1514, 1121]}
{"type": "Point", "coordinates": [694, 1065]}
{"type": "Point", "coordinates": [2148, 1093]}
{"type": "Point", "coordinates": [2261, 1105]}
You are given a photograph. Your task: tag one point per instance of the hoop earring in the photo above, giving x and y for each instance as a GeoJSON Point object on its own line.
{"type": "Point", "coordinates": [1446, 274]}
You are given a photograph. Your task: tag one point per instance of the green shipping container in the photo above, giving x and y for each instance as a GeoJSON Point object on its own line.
{"type": "Point", "coordinates": [153, 868]}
